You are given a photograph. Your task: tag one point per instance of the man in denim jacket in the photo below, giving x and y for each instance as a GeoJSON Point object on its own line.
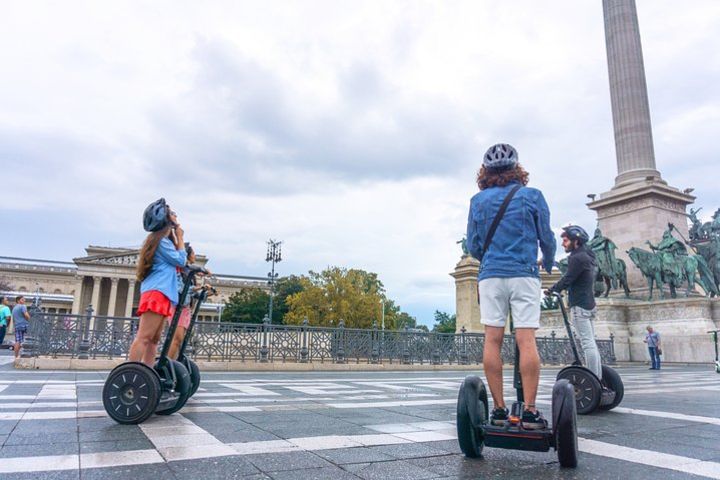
{"type": "Point", "coordinates": [509, 278]}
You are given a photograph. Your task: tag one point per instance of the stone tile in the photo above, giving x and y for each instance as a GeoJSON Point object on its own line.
{"type": "Point", "coordinates": [327, 473]}
{"type": "Point", "coordinates": [57, 475]}
{"type": "Point", "coordinates": [154, 471]}
{"type": "Point", "coordinates": [110, 434]}
{"type": "Point", "coordinates": [116, 445]}
{"type": "Point", "coordinates": [286, 461]}
{"type": "Point", "coordinates": [41, 438]}
{"type": "Point", "coordinates": [410, 450]}
{"type": "Point", "coordinates": [397, 470]}
{"type": "Point", "coordinates": [355, 455]}
{"type": "Point", "coordinates": [213, 468]}
{"type": "Point", "coordinates": [43, 449]}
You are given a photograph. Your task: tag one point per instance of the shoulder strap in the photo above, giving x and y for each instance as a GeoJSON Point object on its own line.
{"type": "Point", "coordinates": [496, 220]}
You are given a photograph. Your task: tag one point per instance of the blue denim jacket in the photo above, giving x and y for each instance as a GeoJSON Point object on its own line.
{"type": "Point", "coordinates": [163, 274]}
{"type": "Point", "coordinates": [514, 248]}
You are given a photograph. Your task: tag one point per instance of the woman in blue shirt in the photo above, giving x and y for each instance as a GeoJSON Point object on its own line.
{"type": "Point", "coordinates": [161, 255]}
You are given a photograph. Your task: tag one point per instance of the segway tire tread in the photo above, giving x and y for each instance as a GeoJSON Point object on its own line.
{"type": "Point", "coordinates": [469, 436]}
{"type": "Point", "coordinates": [586, 386]}
{"type": "Point", "coordinates": [131, 393]}
{"type": "Point", "coordinates": [182, 387]}
{"type": "Point", "coordinates": [611, 379]}
{"type": "Point", "coordinates": [565, 414]}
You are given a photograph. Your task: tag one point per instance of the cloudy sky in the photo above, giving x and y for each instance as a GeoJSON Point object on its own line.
{"type": "Point", "coordinates": [352, 131]}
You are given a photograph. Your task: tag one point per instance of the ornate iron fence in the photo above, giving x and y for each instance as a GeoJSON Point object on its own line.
{"type": "Point", "coordinates": [93, 336]}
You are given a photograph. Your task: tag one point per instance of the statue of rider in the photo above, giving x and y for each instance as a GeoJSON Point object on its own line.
{"type": "Point", "coordinates": [604, 250]}
{"type": "Point", "coordinates": [669, 249]}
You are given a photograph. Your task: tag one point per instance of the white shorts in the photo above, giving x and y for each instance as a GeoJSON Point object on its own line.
{"type": "Point", "coordinates": [499, 295]}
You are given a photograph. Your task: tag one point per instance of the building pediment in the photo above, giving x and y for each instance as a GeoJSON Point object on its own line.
{"type": "Point", "coordinates": [129, 260]}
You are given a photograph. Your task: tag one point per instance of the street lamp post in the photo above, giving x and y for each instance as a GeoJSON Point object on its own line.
{"type": "Point", "coordinates": [382, 300]}
{"type": "Point", "coordinates": [274, 254]}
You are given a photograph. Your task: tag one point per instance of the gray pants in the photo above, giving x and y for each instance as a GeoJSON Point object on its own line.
{"type": "Point", "coordinates": [582, 322]}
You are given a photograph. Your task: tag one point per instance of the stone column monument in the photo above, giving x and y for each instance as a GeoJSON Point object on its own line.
{"type": "Point", "coordinates": [467, 310]}
{"type": "Point", "coordinates": [640, 204]}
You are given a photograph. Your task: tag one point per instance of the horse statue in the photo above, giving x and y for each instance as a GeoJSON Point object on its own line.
{"type": "Point", "coordinates": [612, 279]}
{"type": "Point", "coordinates": [650, 265]}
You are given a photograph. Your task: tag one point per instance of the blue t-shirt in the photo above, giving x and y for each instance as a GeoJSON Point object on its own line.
{"type": "Point", "coordinates": [18, 314]}
{"type": "Point", "coordinates": [652, 339]}
{"type": "Point", "coordinates": [4, 314]}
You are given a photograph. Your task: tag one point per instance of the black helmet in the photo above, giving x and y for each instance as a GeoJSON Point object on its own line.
{"type": "Point", "coordinates": [574, 232]}
{"type": "Point", "coordinates": [155, 217]}
{"type": "Point", "coordinates": [500, 156]}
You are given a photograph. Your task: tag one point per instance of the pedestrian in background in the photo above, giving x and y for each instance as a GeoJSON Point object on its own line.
{"type": "Point", "coordinates": [20, 318]}
{"type": "Point", "coordinates": [5, 315]}
{"type": "Point", "coordinates": [652, 338]}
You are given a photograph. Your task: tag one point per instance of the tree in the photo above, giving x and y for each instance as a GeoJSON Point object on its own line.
{"type": "Point", "coordinates": [335, 294]}
{"type": "Point", "coordinates": [444, 322]}
{"type": "Point", "coordinates": [284, 287]}
{"type": "Point", "coordinates": [249, 305]}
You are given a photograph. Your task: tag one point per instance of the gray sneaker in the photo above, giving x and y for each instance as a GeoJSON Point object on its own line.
{"type": "Point", "coordinates": [533, 421]}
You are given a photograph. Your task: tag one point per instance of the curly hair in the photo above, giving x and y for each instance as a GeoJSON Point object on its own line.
{"type": "Point", "coordinates": [490, 177]}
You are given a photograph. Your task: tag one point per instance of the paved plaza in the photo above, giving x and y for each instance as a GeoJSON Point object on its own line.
{"type": "Point", "coordinates": [343, 425]}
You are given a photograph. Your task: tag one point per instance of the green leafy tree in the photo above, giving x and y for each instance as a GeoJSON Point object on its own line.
{"type": "Point", "coordinates": [444, 322]}
{"type": "Point", "coordinates": [335, 294]}
{"type": "Point", "coordinates": [248, 305]}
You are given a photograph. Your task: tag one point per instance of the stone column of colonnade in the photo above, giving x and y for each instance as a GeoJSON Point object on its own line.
{"type": "Point", "coordinates": [130, 298]}
{"type": "Point", "coordinates": [112, 301]}
{"type": "Point", "coordinates": [95, 299]}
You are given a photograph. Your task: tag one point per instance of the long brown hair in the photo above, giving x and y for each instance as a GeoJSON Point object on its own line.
{"type": "Point", "coordinates": [147, 252]}
{"type": "Point", "coordinates": [489, 177]}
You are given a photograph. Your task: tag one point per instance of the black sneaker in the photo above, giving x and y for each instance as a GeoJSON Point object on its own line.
{"type": "Point", "coordinates": [533, 421]}
{"type": "Point", "coordinates": [499, 416]}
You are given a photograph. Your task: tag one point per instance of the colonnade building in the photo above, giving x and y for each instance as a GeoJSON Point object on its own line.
{"type": "Point", "coordinates": [103, 278]}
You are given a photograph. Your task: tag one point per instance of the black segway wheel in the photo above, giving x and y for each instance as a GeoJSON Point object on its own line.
{"type": "Point", "coordinates": [182, 385]}
{"type": "Point", "coordinates": [131, 393]}
{"type": "Point", "coordinates": [612, 381]}
{"type": "Point", "coordinates": [564, 410]}
{"type": "Point", "coordinates": [472, 415]}
{"type": "Point", "coordinates": [588, 391]}
{"type": "Point", "coordinates": [194, 374]}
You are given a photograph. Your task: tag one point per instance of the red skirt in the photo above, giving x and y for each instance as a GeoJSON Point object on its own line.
{"type": "Point", "coordinates": [156, 302]}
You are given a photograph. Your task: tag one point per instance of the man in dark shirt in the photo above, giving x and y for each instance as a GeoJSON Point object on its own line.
{"type": "Point", "coordinates": [579, 280]}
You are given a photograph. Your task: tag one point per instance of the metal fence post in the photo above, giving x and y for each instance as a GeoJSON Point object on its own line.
{"type": "Point", "coordinates": [341, 342]}
{"type": "Point", "coordinates": [84, 346]}
{"type": "Point", "coordinates": [613, 358]}
{"type": "Point", "coordinates": [304, 340]}
{"type": "Point", "coordinates": [463, 347]}
{"type": "Point", "coordinates": [374, 350]}
{"type": "Point", "coordinates": [436, 349]}
{"type": "Point", "coordinates": [406, 347]}
{"type": "Point", "coordinates": [264, 350]}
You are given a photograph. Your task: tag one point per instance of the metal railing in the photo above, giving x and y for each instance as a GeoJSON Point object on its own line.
{"type": "Point", "coordinates": [94, 336]}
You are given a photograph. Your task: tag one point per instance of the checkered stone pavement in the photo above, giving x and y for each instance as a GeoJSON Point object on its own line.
{"type": "Point", "coordinates": [343, 425]}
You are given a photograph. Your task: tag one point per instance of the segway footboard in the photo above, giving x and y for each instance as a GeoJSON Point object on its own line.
{"type": "Point", "coordinates": [518, 438]}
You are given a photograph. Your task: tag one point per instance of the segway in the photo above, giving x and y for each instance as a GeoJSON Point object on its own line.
{"type": "Point", "coordinates": [717, 360]}
{"type": "Point", "coordinates": [133, 391]}
{"type": "Point", "coordinates": [192, 368]}
{"type": "Point", "coordinates": [474, 430]}
{"type": "Point", "coordinates": [591, 393]}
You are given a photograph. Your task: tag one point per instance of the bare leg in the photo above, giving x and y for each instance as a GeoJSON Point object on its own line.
{"type": "Point", "coordinates": [492, 363]}
{"type": "Point", "coordinates": [152, 352]}
{"type": "Point", "coordinates": [16, 347]}
{"type": "Point", "coordinates": [145, 339]}
{"type": "Point", "coordinates": [529, 364]}
{"type": "Point", "coordinates": [177, 342]}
